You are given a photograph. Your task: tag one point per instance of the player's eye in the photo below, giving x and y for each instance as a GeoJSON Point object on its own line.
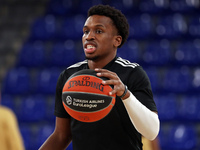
{"type": "Point", "coordinates": [99, 31]}
{"type": "Point", "coordinates": [85, 31]}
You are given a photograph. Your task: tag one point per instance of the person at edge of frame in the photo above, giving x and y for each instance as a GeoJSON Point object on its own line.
{"type": "Point", "coordinates": [10, 135]}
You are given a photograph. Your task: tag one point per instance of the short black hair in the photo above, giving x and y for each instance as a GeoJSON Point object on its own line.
{"type": "Point", "coordinates": [116, 16]}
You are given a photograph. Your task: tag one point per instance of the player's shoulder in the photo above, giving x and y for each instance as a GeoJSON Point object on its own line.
{"type": "Point", "coordinates": [73, 68]}
{"type": "Point", "coordinates": [124, 63]}
{"type": "Point", "coordinates": [78, 64]}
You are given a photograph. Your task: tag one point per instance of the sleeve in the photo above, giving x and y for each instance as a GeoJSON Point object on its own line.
{"type": "Point", "coordinates": [59, 108]}
{"type": "Point", "coordinates": [140, 86]}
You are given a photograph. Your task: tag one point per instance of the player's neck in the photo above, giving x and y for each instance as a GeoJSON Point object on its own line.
{"type": "Point", "coordinates": [99, 64]}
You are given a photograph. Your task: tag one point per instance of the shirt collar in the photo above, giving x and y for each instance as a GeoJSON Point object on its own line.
{"type": "Point", "coordinates": [108, 65]}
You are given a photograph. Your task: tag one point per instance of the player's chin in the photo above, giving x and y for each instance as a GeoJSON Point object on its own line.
{"type": "Point", "coordinates": [90, 57]}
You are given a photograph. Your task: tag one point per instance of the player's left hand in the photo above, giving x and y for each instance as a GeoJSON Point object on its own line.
{"type": "Point", "coordinates": [114, 80]}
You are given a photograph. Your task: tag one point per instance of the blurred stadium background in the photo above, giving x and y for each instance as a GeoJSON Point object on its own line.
{"type": "Point", "coordinates": [39, 38]}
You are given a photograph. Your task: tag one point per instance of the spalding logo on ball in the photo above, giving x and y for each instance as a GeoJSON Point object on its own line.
{"type": "Point", "coordinates": [85, 98]}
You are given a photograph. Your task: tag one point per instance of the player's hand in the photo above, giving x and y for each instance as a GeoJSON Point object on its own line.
{"type": "Point", "coordinates": [114, 80]}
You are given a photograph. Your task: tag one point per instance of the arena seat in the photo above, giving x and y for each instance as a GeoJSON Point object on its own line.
{"type": "Point", "coordinates": [43, 133]}
{"type": "Point", "coordinates": [128, 7]}
{"type": "Point", "coordinates": [162, 138]}
{"type": "Point", "coordinates": [183, 6]}
{"type": "Point", "coordinates": [130, 50]}
{"type": "Point", "coordinates": [17, 81]}
{"type": "Point", "coordinates": [194, 26]}
{"type": "Point", "coordinates": [196, 80]}
{"type": "Point", "coordinates": [71, 27]}
{"type": "Point", "coordinates": [45, 81]}
{"type": "Point", "coordinates": [44, 28]}
{"type": "Point", "coordinates": [50, 106]}
{"type": "Point", "coordinates": [167, 107]}
{"type": "Point", "coordinates": [154, 77]}
{"type": "Point", "coordinates": [32, 54]}
{"type": "Point", "coordinates": [171, 26]}
{"type": "Point", "coordinates": [157, 53]}
{"type": "Point", "coordinates": [31, 108]}
{"type": "Point", "coordinates": [152, 7]}
{"type": "Point", "coordinates": [177, 80]}
{"type": "Point", "coordinates": [182, 137]}
{"type": "Point", "coordinates": [62, 54]}
{"type": "Point", "coordinates": [189, 109]}
{"type": "Point", "coordinates": [60, 7]}
{"type": "Point", "coordinates": [141, 26]}
{"type": "Point", "coordinates": [84, 5]}
{"type": "Point", "coordinates": [187, 53]}
{"type": "Point", "coordinates": [8, 101]}
{"type": "Point", "coordinates": [27, 135]}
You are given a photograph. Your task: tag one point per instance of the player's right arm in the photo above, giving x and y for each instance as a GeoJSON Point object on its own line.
{"type": "Point", "coordinates": [61, 137]}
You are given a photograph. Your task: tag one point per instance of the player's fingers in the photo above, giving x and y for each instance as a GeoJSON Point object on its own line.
{"type": "Point", "coordinates": [111, 82]}
{"type": "Point", "coordinates": [113, 79]}
{"type": "Point", "coordinates": [106, 73]}
{"type": "Point", "coordinates": [118, 90]}
{"type": "Point", "coordinates": [103, 71]}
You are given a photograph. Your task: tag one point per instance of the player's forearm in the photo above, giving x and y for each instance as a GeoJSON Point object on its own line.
{"type": "Point", "coordinates": [55, 142]}
{"type": "Point", "coordinates": [145, 121]}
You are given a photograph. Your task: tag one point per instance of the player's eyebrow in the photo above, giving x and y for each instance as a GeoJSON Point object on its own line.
{"type": "Point", "coordinates": [98, 25]}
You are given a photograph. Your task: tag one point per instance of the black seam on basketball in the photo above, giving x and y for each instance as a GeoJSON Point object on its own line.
{"type": "Point", "coordinates": [82, 106]}
{"type": "Point", "coordinates": [87, 93]}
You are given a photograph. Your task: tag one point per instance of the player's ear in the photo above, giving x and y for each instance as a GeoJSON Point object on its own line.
{"type": "Point", "coordinates": [118, 40]}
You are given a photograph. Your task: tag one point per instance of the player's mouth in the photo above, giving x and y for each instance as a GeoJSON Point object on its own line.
{"type": "Point", "coordinates": [89, 48]}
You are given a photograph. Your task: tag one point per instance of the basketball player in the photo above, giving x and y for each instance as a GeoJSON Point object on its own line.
{"type": "Point", "coordinates": [134, 113]}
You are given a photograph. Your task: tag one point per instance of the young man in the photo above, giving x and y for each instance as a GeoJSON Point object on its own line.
{"type": "Point", "coordinates": [134, 113]}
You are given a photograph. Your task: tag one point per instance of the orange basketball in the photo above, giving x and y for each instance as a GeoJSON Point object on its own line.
{"type": "Point", "coordinates": [85, 98]}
